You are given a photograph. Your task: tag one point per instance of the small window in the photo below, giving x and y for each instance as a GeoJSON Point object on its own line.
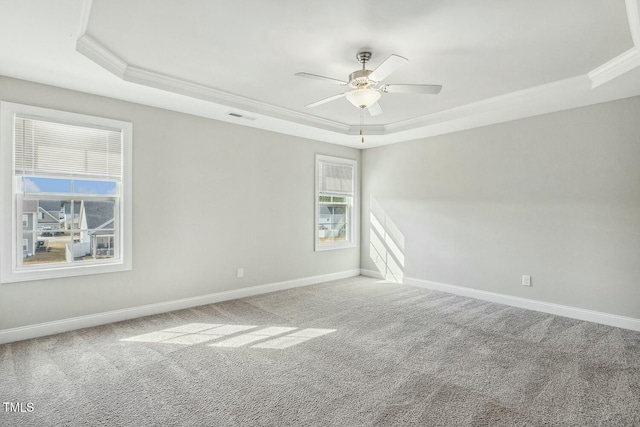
{"type": "Point", "coordinates": [335, 203]}
{"type": "Point", "coordinates": [75, 172]}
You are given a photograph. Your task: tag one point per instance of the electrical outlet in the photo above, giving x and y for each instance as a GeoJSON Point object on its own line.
{"type": "Point", "coordinates": [526, 280]}
{"type": "Point", "coordinates": [240, 272]}
{"type": "Point", "coordinates": [374, 258]}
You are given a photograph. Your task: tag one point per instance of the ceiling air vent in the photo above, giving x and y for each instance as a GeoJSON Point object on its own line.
{"type": "Point", "coordinates": [240, 116]}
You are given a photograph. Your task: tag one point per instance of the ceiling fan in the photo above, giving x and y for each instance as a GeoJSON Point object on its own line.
{"type": "Point", "coordinates": [366, 87]}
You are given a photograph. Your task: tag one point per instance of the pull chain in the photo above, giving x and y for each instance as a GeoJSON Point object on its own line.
{"type": "Point", "coordinates": [361, 123]}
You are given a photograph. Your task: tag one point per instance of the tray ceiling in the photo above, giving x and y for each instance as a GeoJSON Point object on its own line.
{"type": "Point", "coordinates": [496, 60]}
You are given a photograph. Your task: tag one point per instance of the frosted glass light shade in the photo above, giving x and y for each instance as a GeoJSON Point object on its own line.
{"type": "Point", "coordinates": [362, 98]}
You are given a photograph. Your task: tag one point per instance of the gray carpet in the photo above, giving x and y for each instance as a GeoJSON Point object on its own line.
{"type": "Point", "coordinates": [355, 352]}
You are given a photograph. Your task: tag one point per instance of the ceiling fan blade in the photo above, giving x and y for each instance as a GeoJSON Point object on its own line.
{"type": "Point", "coordinates": [422, 89]}
{"type": "Point", "coordinates": [390, 65]}
{"type": "Point", "coordinates": [315, 76]}
{"type": "Point", "coordinates": [375, 109]}
{"type": "Point", "coordinates": [324, 101]}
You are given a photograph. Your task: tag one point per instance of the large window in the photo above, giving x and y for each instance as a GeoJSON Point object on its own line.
{"type": "Point", "coordinates": [335, 202]}
{"type": "Point", "coordinates": [66, 185]}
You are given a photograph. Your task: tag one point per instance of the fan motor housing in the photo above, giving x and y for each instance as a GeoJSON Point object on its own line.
{"type": "Point", "coordinates": [360, 79]}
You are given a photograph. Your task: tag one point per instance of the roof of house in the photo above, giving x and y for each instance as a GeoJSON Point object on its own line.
{"type": "Point", "coordinates": [29, 206]}
{"type": "Point", "coordinates": [51, 206]}
{"type": "Point", "coordinates": [98, 213]}
{"type": "Point", "coordinates": [67, 207]}
{"type": "Point", "coordinates": [51, 210]}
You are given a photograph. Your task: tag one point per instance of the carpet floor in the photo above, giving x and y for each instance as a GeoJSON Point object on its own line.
{"type": "Point", "coordinates": [353, 352]}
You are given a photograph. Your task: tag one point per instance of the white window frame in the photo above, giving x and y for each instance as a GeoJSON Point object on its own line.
{"type": "Point", "coordinates": [9, 270]}
{"type": "Point", "coordinates": [352, 241]}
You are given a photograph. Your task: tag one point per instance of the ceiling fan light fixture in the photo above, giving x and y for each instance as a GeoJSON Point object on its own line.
{"type": "Point", "coordinates": [366, 84]}
{"type": "Point", "coordinates": [362, 98]}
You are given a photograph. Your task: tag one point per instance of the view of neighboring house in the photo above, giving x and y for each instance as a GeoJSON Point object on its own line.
{"type": "Point", "coordinates": [29, 224]}
{"type": "Point", "coordinates": [96, 220]}
{"type": "Point", "coordinates": [71, 220]}
{"type": "Point", "coordinates": [40, 218]}
{"type": "Point", "coordinates": [49, 215]}
{"type": "Point", "coordinates": [87, 227]}
{"type": "Point", "coordinates": [331, 221]}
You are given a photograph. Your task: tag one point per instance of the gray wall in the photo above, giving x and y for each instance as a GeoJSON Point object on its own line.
{"type": "Point", "coordinates": [208, 197]}
{"type": "Point", "coordinates": [556, 197]}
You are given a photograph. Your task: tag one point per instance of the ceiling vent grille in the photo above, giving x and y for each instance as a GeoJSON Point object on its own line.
{"type": "Point", "coordinates": [240, 116]}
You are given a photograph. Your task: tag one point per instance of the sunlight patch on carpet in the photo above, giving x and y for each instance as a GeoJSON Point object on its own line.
{"type": "Point", "coordinates": [271, 337]}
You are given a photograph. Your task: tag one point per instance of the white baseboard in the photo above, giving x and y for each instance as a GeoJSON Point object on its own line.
{"type": "Point", "coordinates": [372, 273]}
{"type": "Point", "coordinates": [546, 307]}
{"type": "Point", "coordinates": [73, 323]}
{"type": "Point", "coordinates": [65, 325]}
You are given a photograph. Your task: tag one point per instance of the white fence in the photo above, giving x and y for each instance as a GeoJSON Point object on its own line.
{"type": "Point", "coordinates": [75, 250]}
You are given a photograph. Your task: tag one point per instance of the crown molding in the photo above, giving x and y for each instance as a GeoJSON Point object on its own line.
{"type": "Point", "coordinates": [615, 68]}
{"type": "Point", "coordinates": [84, 18]}
{"type": "Point", "coordinates": [511, 106]}
{"type": "Point", "coordinates": [568, 93]}
{"type": "Point", "coordinates": [96, 52]}
{"type": "Point", "coordinates": [633, 15]}
{"type": "Point", "coordinates": [497, 107]}
{"type": "Point", "coordinates": [183, 87]}
{"type": "Point", "coordinates": [626, 61]}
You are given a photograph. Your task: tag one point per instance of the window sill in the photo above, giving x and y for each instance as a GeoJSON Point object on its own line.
{"type": "Point", "coordinates": [61, 272]}
{"type": "Point", "coordinates": [333, 246]}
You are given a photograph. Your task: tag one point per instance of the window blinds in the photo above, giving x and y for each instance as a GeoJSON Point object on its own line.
{"type": "Point", "coordinates": [48, 148]}
{"type": "Point", "coordinates": [335, 178]}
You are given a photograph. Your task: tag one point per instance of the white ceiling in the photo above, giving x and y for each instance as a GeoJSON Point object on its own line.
{"type": "Point", "coordinates": [496, 60]}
